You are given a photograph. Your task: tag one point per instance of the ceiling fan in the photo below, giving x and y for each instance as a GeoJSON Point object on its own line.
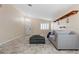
{"type": "Point", "coordinates": [30, 5]}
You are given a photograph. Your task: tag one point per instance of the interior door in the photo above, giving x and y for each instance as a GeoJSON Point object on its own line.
{"type": "Point", "coordinates": [28, 26]}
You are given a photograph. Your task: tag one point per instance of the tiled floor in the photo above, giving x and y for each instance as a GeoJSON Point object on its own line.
{"type": "Point", "coordinates": [22, 46]}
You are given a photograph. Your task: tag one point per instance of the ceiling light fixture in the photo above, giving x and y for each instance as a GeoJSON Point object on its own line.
{"type": "Point", "coordinates": [30, 5]}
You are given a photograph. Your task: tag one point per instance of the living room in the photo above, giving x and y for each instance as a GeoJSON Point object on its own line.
{"type": "Point", "coordinates": [20, 22]}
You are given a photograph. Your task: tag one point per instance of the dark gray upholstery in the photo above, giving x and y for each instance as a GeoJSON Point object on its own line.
{"type": "Point", "coordinates": [37, 39]}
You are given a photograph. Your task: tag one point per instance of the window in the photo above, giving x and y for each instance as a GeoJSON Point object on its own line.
{"type": "Point", "coordinates": [44, 26]}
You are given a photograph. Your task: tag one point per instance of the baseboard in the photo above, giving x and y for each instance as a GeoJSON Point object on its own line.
{"type": "Point", "coordinates": [15, 37]}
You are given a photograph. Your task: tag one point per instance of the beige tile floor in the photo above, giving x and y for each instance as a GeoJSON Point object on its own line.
{"type": "Point", "coordinates": [22, 46]}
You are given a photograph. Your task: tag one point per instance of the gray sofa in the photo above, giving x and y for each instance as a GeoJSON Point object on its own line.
{"type": "Point", "coordinates": [65, 40]}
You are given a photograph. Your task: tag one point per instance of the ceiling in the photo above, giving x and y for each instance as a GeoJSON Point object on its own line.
{"type": "Point", "coordinates": [43, 11]}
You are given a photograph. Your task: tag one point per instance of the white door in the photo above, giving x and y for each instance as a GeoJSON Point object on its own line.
{"type": "Point", "coordinates": [28, 26]}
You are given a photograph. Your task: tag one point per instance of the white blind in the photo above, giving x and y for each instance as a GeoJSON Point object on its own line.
{"type": "Point", "coordinates": [44, 26]}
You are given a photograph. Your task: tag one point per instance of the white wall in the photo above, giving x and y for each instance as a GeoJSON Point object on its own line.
{"type": "Point", "coordinates": [11, 23]}
{"type": "Point", "coordinates": [74, 20]}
